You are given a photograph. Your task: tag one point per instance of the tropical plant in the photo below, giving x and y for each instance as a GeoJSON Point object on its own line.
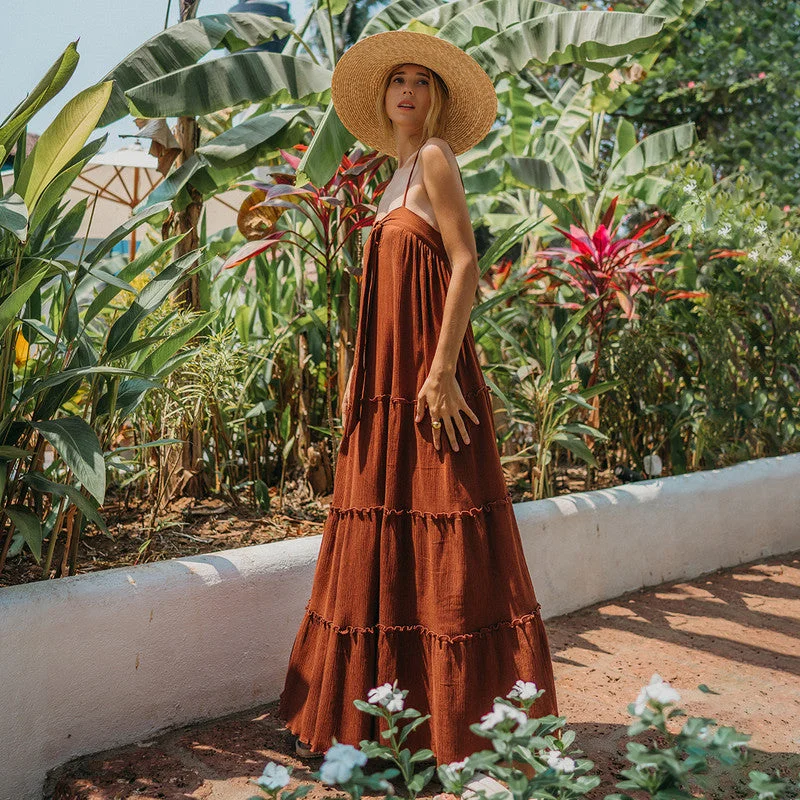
{"type": "Point", "coordinates": [66, 382]}
{"type": "Point", "coordinates": [714, 383]}
{"type": "Point", "coordinates": [730, 71]}
{"type": "Point", "coordinates": [609, 271]}
{"type": "Point", "coordinates": [542, 390]}
{"type": "Point", "coordinates": [336, 213]}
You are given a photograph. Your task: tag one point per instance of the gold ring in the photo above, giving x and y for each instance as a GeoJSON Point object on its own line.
{"type": "Point", "coordinates": [436, 424]}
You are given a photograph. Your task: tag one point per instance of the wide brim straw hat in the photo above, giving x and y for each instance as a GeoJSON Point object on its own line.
{"type": "Point", "coordinates": [361, 72]}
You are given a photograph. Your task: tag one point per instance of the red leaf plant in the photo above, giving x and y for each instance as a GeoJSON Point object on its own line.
{"type": "Point", "coordinates": [609, 271]}
{"type": "Point", "coordinates": [337, 209]}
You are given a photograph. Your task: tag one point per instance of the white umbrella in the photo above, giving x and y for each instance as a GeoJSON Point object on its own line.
{"type": "Point", "coordinates": [122, 179]}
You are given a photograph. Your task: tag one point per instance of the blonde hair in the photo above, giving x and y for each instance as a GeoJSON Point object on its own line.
{"type": "Point", "coordinates": [434, 119]}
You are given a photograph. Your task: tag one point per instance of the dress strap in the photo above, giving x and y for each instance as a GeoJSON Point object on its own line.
{"type": "Point", "coordinates": [408, 182]}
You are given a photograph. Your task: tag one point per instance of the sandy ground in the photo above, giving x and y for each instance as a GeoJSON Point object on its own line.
{"type": "Point", "coordinates": [737, 631]}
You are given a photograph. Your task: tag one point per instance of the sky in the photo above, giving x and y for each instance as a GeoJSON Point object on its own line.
{"type": "Point", "coordinates": [108, 31]}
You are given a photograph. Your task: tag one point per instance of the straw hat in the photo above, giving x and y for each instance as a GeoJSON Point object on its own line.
{"type": "Point", "coordinates": [360, 73]}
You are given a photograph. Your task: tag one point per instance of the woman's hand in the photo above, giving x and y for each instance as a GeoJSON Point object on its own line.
{"type": "Point", "coordinates": [346, 399]}
{"type": "Point", "coordinates": [443, 397]}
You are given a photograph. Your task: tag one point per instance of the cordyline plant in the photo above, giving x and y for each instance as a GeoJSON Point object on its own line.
{"type": "Point", "coordinates": [337, 211]}
{"type": "Point", "coordinates": [609, 271]}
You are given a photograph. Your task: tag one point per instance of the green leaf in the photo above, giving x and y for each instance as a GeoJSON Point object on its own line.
{"type": "Point", "coordinates": [13, 304]}
{"type": "Point", "coordinates": [324, 155]}
{"type": "Point", "coordinates": [130, 271]}
{"type": "Point", "coordinates": [9, 453]}
{"type": "Point", "coordinates": [48, 87]}
{"type": "Point", "coordinates": [61, 140]}
{"type": "Point", "coordinates": [156, 211]}
{"type": "Point", "coordinates": [507, 239]}
{"type": "Point", "coordinates": [150, 298]}
{"type": "Point", "coordinates": [30, 527]}
{"type": "Point", "coordinates": [655, 150]}
{"type": "Point", "coordinates": [210, 86]}
{"type": "Point", "coordinates": [576, 446]}
{"type": "Point", "coordinates": [183, 45]}
{"type": "Point", "coordinates": [14, 216]}
{"type": "Point", "coordinates": [79, 447]}
{"type": "Point", "coordinates": [155, 362]}
{"type": "Point", "coordinates": [570, 37]}
{"type": "Point", "coordinates": [624, 140]}
{"type": "Point", "coordinates": [38, 482]}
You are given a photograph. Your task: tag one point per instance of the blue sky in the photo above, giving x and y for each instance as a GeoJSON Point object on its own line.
{"type": "Point", "coordinates": [108, 30]}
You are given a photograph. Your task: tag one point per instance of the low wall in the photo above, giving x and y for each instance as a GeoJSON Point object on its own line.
{"type": "Point", "coordinates": [109, 658]}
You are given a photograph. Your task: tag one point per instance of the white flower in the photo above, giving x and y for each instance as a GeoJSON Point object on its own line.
{"type": "Point", "coordinates": [752, 255]}
{"type": "Point", "coordinates": [705, 734]}
{"type": "Point", "coordinates": [785, 258]}
{"type": "Point", "coordinates": [457, 765]}
{"type": "Point", "coordinates": [388, 696]}
{"type": "Point", "coordinates": [275, 776]}
{"type": "Point", "coordinates": [690, 187]}
{"type": "Point", "coordinates": [339, 762]}
{"type": "Point", "coordinates": [659, 691]}
{"type": "Point", "coordinates": [725, 229]}
{"type": "Point", "coordinates": [500, 712]}
{"type": "Point", "coordinates": [555, 760]}
{"type": "Point", "coordinates": [760, 229]}
{"type": "Point", "coordinates": [687, 228]}
{"type": "Point", "coordinates": [524, 690]}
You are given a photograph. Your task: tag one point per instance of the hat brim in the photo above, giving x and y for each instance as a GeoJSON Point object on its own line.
{"type": "Point", "coordinates": [360, 74]}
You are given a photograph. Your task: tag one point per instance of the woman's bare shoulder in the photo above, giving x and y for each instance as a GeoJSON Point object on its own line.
{"type": "Point", "coordinates": [438, 157]}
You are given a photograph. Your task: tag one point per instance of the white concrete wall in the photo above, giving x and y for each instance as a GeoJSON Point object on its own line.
{"type": "Point", "coordinates": [100, 660]}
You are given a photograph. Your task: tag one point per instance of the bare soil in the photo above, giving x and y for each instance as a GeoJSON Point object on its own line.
{"type": "Point", "coordinates": [189, 527]}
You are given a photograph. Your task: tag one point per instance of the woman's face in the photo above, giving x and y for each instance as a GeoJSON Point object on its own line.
{"type": "Point", "coordinates": [408, 96]}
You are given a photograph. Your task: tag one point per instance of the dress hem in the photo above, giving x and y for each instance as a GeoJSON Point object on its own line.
{"type": "Point", "coordinates": [472, 512]}
{"type": "Point", "coordinates": [442, 637]}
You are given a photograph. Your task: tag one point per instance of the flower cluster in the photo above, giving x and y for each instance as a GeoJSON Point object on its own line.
{"type": "Point", "coordinates": [558, 762]}
{"type": "Point", "coordinates": [388, 696]}
{"type": "Point", "coordinates": [500, 713]}
{"type": "Point", "coordinates": [340, 760]}
{"type": "Point", "coordinates": [655, 772]}
{"type": "Point", "coordinates": [658, 691]}
{"type": "Point", "coordinates": [275, 776]}
{"type": "Point", "coordinates": [524, 690]}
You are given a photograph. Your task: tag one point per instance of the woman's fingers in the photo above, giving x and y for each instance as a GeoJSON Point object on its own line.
{"type": "Point", "coordinates": [461, 426]}
{"type": "Point", "coordinates": [447, 422]}
{"type": "Point", "coordinates": [420, 412]}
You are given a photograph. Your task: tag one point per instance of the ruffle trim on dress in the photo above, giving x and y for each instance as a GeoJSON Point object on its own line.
{"type": "Point", "coordinates": [384, 398]}
{"type": "Point", "coordinates": [442, 637]}
{"type": "Point", "coordinates": [471, 512]}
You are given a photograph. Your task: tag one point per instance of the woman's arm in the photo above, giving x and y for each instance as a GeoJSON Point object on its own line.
{"type": "Point", "coordinates": [441, 392]}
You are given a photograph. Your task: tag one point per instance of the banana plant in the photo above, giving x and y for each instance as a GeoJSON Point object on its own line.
{"type": "Point", "coordinates": [164, 77]}
{"type": "Point", "coordinates": [505, 38]}
{"type": "Point", "coordinates": [70, 369]}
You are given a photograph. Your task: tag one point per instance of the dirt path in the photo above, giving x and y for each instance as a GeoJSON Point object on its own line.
{"type": "Point", "coordinates": [735, 630]}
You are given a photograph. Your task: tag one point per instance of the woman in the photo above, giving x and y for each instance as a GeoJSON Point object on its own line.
{"type": "Point", "coordinates": [421, 577]}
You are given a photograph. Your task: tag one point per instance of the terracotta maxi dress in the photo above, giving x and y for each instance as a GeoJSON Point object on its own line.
{"type": "Point", "coordinates": [421, 575]}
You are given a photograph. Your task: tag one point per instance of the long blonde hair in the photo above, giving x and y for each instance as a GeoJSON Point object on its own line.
{"type": "Point", "coordinates": [434, 119]}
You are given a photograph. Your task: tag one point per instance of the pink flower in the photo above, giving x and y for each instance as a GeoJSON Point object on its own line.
{"type": "Point", "coordinates": [787, 209]}
{"type": "Point", "coordinates": [691, 84]}
{"type": "Point", "coordinates": [762, 75]}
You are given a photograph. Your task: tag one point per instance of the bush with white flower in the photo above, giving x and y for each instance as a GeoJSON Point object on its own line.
{"type": "Point", "coordinates": [516, 738]}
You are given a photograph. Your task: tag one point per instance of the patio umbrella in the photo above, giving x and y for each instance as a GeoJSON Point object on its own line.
{"type": "Point", "coordinates": [122, 179]}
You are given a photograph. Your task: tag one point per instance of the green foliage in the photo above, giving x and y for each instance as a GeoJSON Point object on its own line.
{"type": "Point", "coordinates": [734, 71]}
{"type": "Point", "coordinates": [668, 765]}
